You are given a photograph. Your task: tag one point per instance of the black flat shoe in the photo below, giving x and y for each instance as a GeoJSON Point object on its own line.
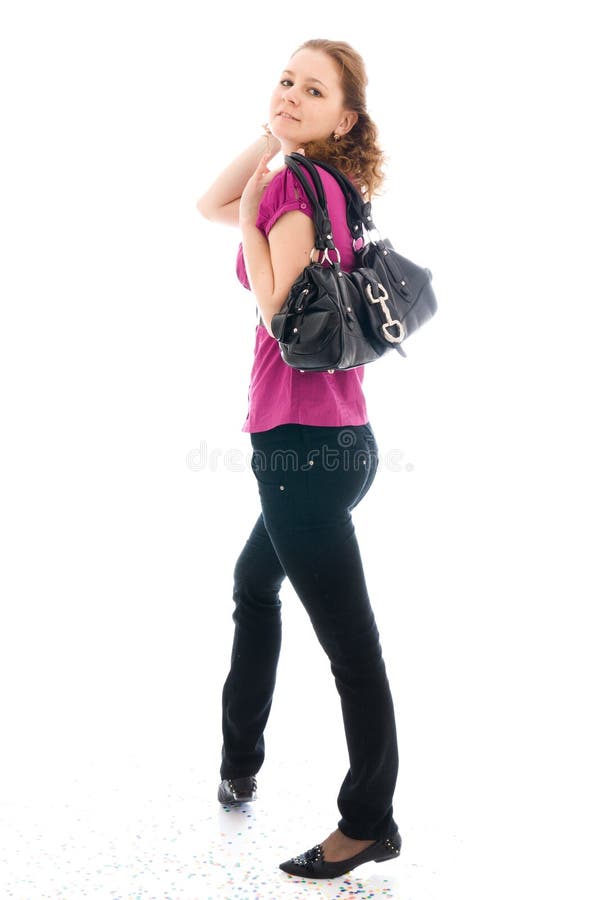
{"type": "Point", "coordinates": [237, 790]}
{"type": "Point", "coordinates": [312, 865]}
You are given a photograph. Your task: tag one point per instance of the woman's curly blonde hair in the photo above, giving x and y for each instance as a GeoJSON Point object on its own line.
{"type": "Point", "coordinates": [357, 153]}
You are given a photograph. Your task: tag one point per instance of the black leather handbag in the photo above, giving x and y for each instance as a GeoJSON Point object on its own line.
{"type": "Point", "coordinates": [333, 319]}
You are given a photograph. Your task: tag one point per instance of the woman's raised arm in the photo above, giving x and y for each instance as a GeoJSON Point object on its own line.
{"type": "Point", "coordinates": [272, 264]}
{"type": "Point", "coordinates": [221, 202]}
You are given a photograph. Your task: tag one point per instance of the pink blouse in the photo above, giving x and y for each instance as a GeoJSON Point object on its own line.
{"type": "Point", "coordinates": [279, 394]}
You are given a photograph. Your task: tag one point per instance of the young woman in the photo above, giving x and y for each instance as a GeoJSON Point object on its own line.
{"type": "Point", "coordinates": [314, 458]}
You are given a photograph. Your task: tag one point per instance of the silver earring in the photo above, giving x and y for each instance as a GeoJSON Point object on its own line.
{"type": "Point", "coordinates": [337, 137]}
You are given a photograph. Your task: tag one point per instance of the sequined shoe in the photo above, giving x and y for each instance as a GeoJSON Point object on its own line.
{"type": "Point", "coordinates": [312, 865]}
{"type": "Point", "coordinates": [233, 791]}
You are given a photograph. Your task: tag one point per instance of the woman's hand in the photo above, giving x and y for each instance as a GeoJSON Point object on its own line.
{"type": "Point", "coordinates": [221, 202]}
{"type": "Point", "coordinates": [255, 187]}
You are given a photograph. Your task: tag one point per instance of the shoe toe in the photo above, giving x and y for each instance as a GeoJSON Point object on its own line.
{"type": "Point", "coordinates": [312, 864]}
{"type": "Point", "coordinates": [237, 790]}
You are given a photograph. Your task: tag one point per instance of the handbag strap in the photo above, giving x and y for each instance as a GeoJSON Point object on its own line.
{"type": "Point", "coordinates": [322, 222]}
{"type": "Point", "coordinates": [358, 211]}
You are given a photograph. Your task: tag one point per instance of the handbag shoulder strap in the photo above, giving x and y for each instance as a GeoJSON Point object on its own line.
{"type": "Point", "coordinates": [358, 211]}
{"type": "Point", "coordinates": [323, 231]}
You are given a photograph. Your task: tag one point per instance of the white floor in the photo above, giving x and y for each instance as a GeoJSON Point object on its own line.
{"type": "Point", "coordinates": [145, 833]}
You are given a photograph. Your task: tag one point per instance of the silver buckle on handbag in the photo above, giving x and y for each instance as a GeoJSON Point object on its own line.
{"type": "Point", "coordinates": [391, 323]}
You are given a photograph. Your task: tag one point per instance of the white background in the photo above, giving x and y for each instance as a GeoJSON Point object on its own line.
{"type": "Point", "coordinates": [126, 345]}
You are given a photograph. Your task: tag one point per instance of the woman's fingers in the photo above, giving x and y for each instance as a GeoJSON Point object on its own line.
{"type": "Point", "coordinates": [271, 173]}
{"type": "Point", "coordinates": [262, 166]}
{"type": "Point", "coordinates": [263, 173]}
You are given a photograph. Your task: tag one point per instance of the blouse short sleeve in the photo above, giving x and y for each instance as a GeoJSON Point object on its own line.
{"type": "Point", "coordinates": [283, 194]}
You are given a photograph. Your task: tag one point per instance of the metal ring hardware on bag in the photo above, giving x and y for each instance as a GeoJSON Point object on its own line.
{"type": "Point", "coordinates": [373, 230]}
{"type": "Point", "coordinates": [372, 240]}
{"type": "Point", "coordinates": [391, 323]}
{"type": "Point", "coordinates": [325, 257]}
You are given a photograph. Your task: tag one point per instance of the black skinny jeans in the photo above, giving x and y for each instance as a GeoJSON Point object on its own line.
{"type": "Point", "coordinates": [309, 479]}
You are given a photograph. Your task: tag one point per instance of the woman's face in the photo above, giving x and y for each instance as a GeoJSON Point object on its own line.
{"type": "Point", "coordinates": [308, 103]}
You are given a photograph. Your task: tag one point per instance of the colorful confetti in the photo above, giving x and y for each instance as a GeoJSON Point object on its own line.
{"type": "Point", "coordinates": [167, 842]}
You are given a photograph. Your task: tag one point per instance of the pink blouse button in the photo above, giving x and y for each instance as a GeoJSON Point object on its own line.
{"type": "Point", "coordinates": [303, 206]}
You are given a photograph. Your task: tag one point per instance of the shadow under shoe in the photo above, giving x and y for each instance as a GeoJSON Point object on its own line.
{"type": "Point", "coordinates": [234, 791]}
{"type": "Point", "coordinates": [312, 865]}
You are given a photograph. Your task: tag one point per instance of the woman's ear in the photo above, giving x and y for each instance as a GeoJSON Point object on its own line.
{"type": "Point", "coordinates": [348, 121]}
